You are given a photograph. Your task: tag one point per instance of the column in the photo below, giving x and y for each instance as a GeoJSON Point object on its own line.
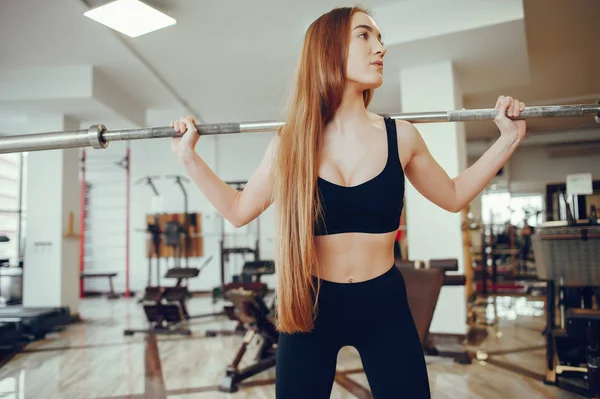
{"type": "Point", "coordinates": [51, 264]}
{"type": "Point", "coordinates": [431, 231]}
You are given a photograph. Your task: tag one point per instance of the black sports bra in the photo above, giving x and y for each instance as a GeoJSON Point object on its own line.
{"type": "Point", "coordinates": [370, 207]}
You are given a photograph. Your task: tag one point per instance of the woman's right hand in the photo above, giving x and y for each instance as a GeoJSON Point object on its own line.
{"type": "Point", "coordinates": [187, 143]}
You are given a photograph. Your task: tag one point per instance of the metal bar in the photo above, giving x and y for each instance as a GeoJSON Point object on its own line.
{"type": "Point", "coordinates": [98, 137]}
{"type": "Point", "coordinates": [20, 254]}
{"type": "Point", "coordinates": [127, 221]}
{"type": "Point", "coordinates": [82, 216]}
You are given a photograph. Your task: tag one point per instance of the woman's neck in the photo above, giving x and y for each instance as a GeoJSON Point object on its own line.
{"type": "Point", "coordinates": [351, 110]}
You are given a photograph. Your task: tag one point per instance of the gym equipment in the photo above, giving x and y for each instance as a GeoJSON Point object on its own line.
{"type": "Point", "coordinates": [502, 266]}
{"type": "Point", "coordinates": [583, 325]}
{"type": "Point", "coordinates": [111, 293]}
{"type": "Point", "coordinates": [424, 280]}
{"type": "Point", "coordinates": [98, 137]}
{"type": "Point", "coordinates": [226, 251]}
{"type": "Point", "coordinates": [9, 335]}
{"type": "Point", "coordinates": [163, 312]}
{"type": "Point", "coordinates": [154, 230]}
{"type": "Point", "coordinates": [250, 282]}
{"type": "Point", "coordinates": [10, 341]}
{"type": "Point", "coordinates": [180, 292]}
{"type": "Point", "coordinates": [165, 307]}
{"type": "Point", "coordinates": [251, 274]}
{"type": "Point", "coordinates": [174, 230]}
{"type": "Point", "coordinates": [35, 323]}
{"type": "Point", "coordinates": [251, 310]}
{"type": "Point", "coordinates": [568, 258]}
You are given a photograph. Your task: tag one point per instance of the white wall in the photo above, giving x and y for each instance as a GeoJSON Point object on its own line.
{"type": "Point", "coordinates": [51, 274]}
{"type": "Point", "coordinates": [531, 169]}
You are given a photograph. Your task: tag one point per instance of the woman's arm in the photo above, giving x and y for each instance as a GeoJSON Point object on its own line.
{"type": "Point", "coordinates": [426, 175]}
{"type": "Point", "coordinates": [238, 207]}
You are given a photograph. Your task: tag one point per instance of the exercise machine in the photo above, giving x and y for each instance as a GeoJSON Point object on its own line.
{"type": "Point", "coordinates": [249, 282]}
{"type": "Point", "coordinates": [155, 233]}
{"type": "Point", "coordinates": [165, 307]}
{"type": "Point", "coordinates": [180, 291]}
{"type": "Point", "coordinates": [9, 336]}
{"type": "Point", "coordinates": [226, 251]}
{"type": "Point", "coordinates": [35, 323]}
{"type": "Point", "coordinates": [175, 230]}
{"type": "Point", "coordinates": [252, 311]}
{"type": "Point", "coordinates": [568, 255]}
{"type": "Point", "coordinates": [502, 267]}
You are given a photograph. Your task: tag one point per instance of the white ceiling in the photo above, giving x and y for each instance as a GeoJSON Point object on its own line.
{"type": "Point", "coordinates": [235, 60]}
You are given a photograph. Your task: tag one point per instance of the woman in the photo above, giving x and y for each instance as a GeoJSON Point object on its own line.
{"type": "Point", "coordinates": [336, 175]}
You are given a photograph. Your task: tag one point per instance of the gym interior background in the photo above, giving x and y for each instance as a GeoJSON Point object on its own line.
{"type": "Point", "coordinates": [79, 270]}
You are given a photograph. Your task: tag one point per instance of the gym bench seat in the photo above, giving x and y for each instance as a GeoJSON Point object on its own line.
{"type": "Point", "coordinates": [111, 294]}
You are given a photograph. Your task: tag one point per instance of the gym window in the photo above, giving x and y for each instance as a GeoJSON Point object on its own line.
{"type": "Point", "coordinates": [501, 207]}
{"type": "Point", "coordinates": [12, 192]}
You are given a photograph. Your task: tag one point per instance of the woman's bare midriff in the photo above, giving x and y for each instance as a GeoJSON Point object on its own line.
{"type": "Point", "coordinates": [354, 257]}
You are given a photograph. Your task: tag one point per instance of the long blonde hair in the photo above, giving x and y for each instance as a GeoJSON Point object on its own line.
{"type": "Point", "coordinates": [318, 94]}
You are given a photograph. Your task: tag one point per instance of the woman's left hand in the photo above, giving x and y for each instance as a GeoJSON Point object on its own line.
{"type": "Point", "coordinates": [510, 107]}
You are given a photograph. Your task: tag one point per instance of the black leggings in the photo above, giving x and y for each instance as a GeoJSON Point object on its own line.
{"type": "Point", "coordinates": [374, 317]}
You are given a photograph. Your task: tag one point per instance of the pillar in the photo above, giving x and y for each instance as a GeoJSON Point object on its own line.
{"type": "Point", "coordinates": [432, 232]}
{"type": "Point", "coordinates": [51, 263]}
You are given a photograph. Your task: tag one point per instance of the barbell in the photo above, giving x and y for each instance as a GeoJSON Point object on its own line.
{"type": "Point", "coordinates": [98, 137]}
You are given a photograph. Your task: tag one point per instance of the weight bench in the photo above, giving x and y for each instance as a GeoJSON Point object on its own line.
{"type": "Point", "coordinates": [164, 316]}
{"type": "Point", "coordinates": [249, 280]}
{"type": "Point", "coordinates": [165, 307]}
{"type": "Point", "coordinates": [179, 292]}
{"type": "Point", "coordinates": [251, 310]}
{"type": "Point", "coordinates": [111, 294]}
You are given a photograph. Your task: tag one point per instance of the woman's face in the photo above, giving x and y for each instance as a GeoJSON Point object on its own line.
{"type": "Point", "coordinates": [365, 54]}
